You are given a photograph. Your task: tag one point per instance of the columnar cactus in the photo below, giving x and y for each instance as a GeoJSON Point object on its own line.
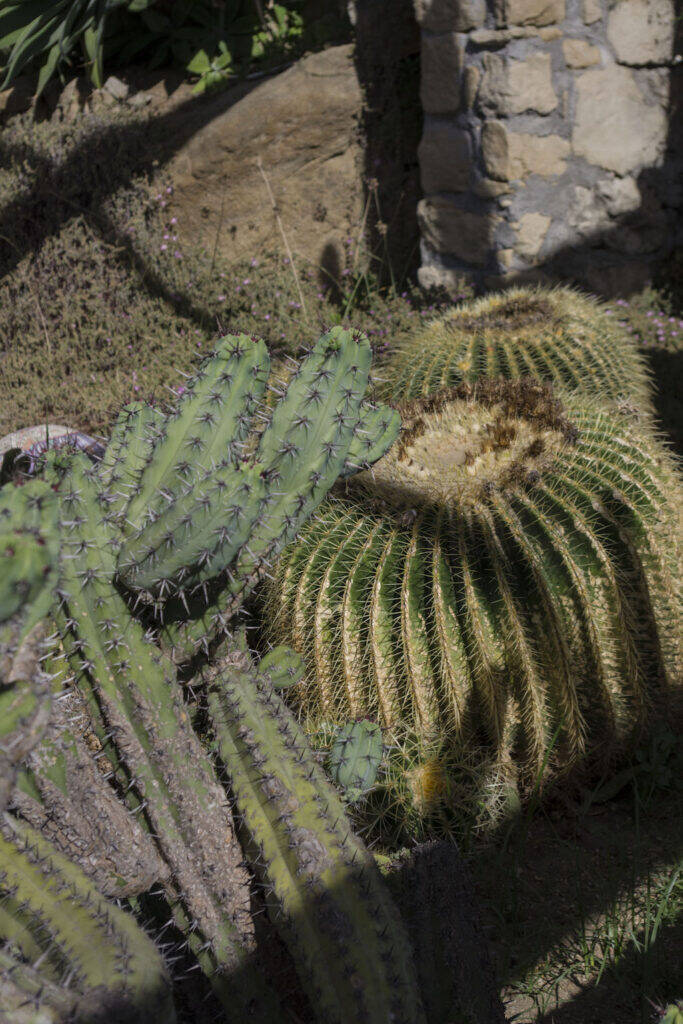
{"type": "Point", "coordinates": [182, 516]}
{"type": "Point", "coordinates": [555, 335]}
{"type": "Point", "coordinates": [322, 883]}
{"type": "Point", "coordinates": [28, 555]}
{"type": "Point", "coordinates": [507, 576]}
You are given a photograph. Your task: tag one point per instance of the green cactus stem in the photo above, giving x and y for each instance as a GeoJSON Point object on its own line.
{"type": "Point", "coordinates": [28, 550]}
{"type": "Point", "coordinates": [25, 702]}
{"type": "Point", "coordinates": [27, 997]}
{"type": "Point", "coordinates": [551, 334]}
{"type": "Point", "coordinates": [506, 579]}
{"type": "Point", "coordinates": [63, 791]}
{"type": "Point", "coordinates": [323, 888]}
{"type": "Point", "coordinates": [131, 691]}
{"type": "Point", "coordinates": [355, 757]}
{"type": "Point", "coordinates": [283, 666]}
{"type": "Point", "coordinates": [49, 904]}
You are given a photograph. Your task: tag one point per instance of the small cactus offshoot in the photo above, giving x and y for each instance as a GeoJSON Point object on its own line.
{"type": "Point", "coordinates": [355, 757]}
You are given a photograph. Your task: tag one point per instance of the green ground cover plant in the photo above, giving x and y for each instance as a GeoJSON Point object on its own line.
{"type": "Point", "coordinates": [213, 42]}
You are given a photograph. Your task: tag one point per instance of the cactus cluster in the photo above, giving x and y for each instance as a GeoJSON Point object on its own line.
{"type": "Point", "coordinates": [505, 579]}
{"type": "Point", "coordinates": [154, 549]}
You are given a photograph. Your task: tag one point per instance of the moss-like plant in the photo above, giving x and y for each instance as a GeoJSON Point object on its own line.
{"type": "Point", "coordinates": [555, 335]}
{"type": "Point", "coordinates": [504, 579]}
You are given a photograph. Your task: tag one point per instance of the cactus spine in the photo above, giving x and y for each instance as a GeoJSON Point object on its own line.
{"type": "Point", "coordinates": [507, 577]}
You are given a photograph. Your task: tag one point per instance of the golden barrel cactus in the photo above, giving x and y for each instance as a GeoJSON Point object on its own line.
{"type": "Point", "coordinates": [551, 334]}
{"type": "Point", "coordinates": [504, 579]}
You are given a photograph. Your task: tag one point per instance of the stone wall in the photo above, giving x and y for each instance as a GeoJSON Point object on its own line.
{"type": "Point", "coordinates": [550, 145]}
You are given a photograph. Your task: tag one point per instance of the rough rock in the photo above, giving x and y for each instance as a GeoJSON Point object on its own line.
{"type": "Point", "coordinates": [487, 188]}
{"type": "Point", "coordinates": [529, 12]}
{"type": "Point", "coordinates": [471, 80]}
{"type": "Point", "coordinates": [450, 15]}
{"type": "Point", "coordinates": [431, 276]}
{"type": "Point", "coordinates": [642, 31]}
{"type": "Point", "coordinates": [28, 436]}
{"type": "Point", "coordinates": [513, 155]}
{"type": "Point", "coordinates": [587, 214]}
{"type": "Point", "coordinates": [116, 88]}
{"type": "Point", "coordinates": [302, 124]}
{"type": "Point", "coordinates": [620, 195]}
{"type": "Point", "coordinates": [592, 11]}
{"type": "Point", "coordinates": [531, 231]}
{"type": "Point", "coordinates": [537, 154]}
{"type": "Point", "coordinates": [445, 158]}
{"type": "Point", "coordinates": [614, 127]}
{"type": "Point", "coordinates": [494, 38]}
{"type": "Point", "coordinates": [514, 86]}
{"type": "Point", "coordinates": [442, 60]}
{"type": "Point", "coordinates": [578, 53]}
{"type": "Point", "coordinates": [495, 150]}
{"type": "Point", "coordinates": [447, 228]}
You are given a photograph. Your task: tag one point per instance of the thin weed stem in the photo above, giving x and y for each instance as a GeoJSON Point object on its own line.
{"type": "Point", "coordinates": [280, 225]}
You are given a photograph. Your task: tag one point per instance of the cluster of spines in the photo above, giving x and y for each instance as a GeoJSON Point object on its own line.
{"type": "Point", "coordinates": [323, 888]}
{"type": "Point", "coordinates": [556, 335]}
{"type": "Point", "coordinates": [550, 606]}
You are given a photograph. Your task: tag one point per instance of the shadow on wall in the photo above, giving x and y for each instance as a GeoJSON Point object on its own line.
{"type": "Point", "coordinates": [388, 67]}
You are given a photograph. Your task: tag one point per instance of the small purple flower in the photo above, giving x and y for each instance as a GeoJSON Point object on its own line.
{"type": "Point", "coordinates": [163, 247]}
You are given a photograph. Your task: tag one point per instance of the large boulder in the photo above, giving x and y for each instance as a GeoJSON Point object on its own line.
{"type": "Point", "coordinates": [302, 125]}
